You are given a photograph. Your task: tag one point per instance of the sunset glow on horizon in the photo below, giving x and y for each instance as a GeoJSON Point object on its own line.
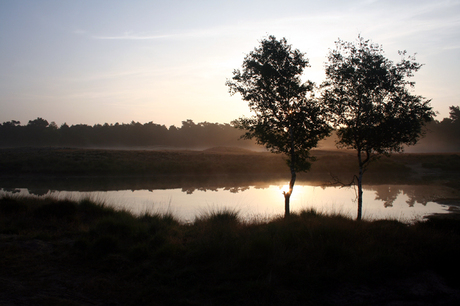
{"type": "Point", "coordinates": [96, 62]}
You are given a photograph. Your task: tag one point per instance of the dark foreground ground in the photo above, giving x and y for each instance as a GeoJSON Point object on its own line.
{"type": "Point", "coordinates": [66, 253]}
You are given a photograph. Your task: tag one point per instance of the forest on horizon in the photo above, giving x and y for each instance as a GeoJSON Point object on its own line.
{"type": "Point", "coordinates": [441, 136]}
{"type": "Point", "coordinates": [41, 133]}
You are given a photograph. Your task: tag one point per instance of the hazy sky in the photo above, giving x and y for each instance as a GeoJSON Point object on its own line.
{"type": "Point", "coordinates": [167, 61]}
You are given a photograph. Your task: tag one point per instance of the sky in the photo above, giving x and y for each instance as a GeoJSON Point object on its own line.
{"type": "Point", "coordinates": [95, 62]}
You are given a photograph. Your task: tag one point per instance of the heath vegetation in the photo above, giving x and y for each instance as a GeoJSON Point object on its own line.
{"type": "Point", "coordinates": [84, 253]}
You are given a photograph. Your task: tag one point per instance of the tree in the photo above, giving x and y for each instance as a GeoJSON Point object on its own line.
{"type": "Point", "coordinates": [369, 100]}
{"type": "Point", "coordinates": [454, 113]}
{"type": "Point", "coordinates": [38, 123]}
{"type": "Point", "coordinates": [35, 130]}
{"type": "Point", "coordinates": [288, 119]}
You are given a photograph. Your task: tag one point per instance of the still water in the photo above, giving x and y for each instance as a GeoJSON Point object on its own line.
{"type": "Point", "coordinates": [401, 202]}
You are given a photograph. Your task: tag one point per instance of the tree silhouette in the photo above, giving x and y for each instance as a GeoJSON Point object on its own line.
{"type": "Point", "coordinates": [36, 131]}
{"type": "Point", "coordinates": [371, 106]}
{"type": "Point", "coordinates": [38, 123]}
{"type": "Point", "coordinates": [288, 119]}
{"type": "Point", "coordinates": [39, 133]}
{"type": "Point", "coordinates": [454, 114]}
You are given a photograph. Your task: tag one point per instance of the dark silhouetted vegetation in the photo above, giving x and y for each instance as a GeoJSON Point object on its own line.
{"type": "Point", "coordinates": [287, 117]}
{"type": "Point", "coordinates": [369, 102]}
{"type": "Point", "coordinates": [40, 133]}
{"type": "Point", "coordinates": [440, 136]}
{"type": "Point", "coordinates": [68, 253]}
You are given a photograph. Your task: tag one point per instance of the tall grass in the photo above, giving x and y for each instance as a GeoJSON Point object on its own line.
{"type": "Point", "coordinates": [221, 259]}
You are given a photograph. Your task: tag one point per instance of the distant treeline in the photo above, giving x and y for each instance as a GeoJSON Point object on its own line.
{"type": "Point", "coordinates": [40, 133]}
{"type": "Point", "coordinates": [441, 136]}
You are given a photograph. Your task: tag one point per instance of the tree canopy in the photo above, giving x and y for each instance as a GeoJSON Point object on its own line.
{"type": "Point", "coordinates": [287, 118]}
{"type": "Point", "coordinates": [369, 100]}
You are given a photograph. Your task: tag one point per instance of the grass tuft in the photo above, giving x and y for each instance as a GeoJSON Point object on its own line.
{"type": "Point", "coordinates": [226, 216]}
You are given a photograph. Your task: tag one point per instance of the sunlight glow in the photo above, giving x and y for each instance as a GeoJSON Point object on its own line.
{"type": "Point", "coordinates": [284, 188]}
{"type": "Point", "coordinates": [162, 63]}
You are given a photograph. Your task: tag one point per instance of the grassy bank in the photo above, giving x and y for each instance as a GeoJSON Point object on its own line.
{"type": "Point", "coordinates": [53, 161]}
{"type": "Point", "coordinates": [77, 162]}
{"type": "Point", "coordinates": [68, 253]}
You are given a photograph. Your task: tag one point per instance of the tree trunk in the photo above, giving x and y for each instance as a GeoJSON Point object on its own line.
{"type": "Point", "coordinates": [362, 164]}
{"type": "Point", "coordinates": [287, 195]}
{"type": "Point", "coordinates": [360, 193]}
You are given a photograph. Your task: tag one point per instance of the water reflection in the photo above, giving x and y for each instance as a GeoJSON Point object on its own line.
{"type": "Point", "coordinates": [416, 194]}
{"type": "Point", "coordinates": [253, 197]}
{"type": "Point", "coordinates": [387, 194]}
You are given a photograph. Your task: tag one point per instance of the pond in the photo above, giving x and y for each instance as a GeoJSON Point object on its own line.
{"type": "Point", "coordinates": [259, 200]}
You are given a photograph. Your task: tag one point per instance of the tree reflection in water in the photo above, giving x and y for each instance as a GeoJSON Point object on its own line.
{"type": "Point", "coordinates": [417, 194]}
{"type": "Point", "coordinates": [387, 194]}
{"type": "Point", "coordinates": [236, 189]}
{"type": "Point", "coordinates": [421, 195]}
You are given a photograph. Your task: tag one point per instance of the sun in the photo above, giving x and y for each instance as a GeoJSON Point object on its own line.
{"type": "Point", "coordinates": [284, 188]}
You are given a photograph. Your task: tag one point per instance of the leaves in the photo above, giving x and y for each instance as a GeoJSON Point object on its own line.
{"type": "Point", "coordinates": [287, 117]}
{"type": "Point", "coordinates": [368, 98]}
